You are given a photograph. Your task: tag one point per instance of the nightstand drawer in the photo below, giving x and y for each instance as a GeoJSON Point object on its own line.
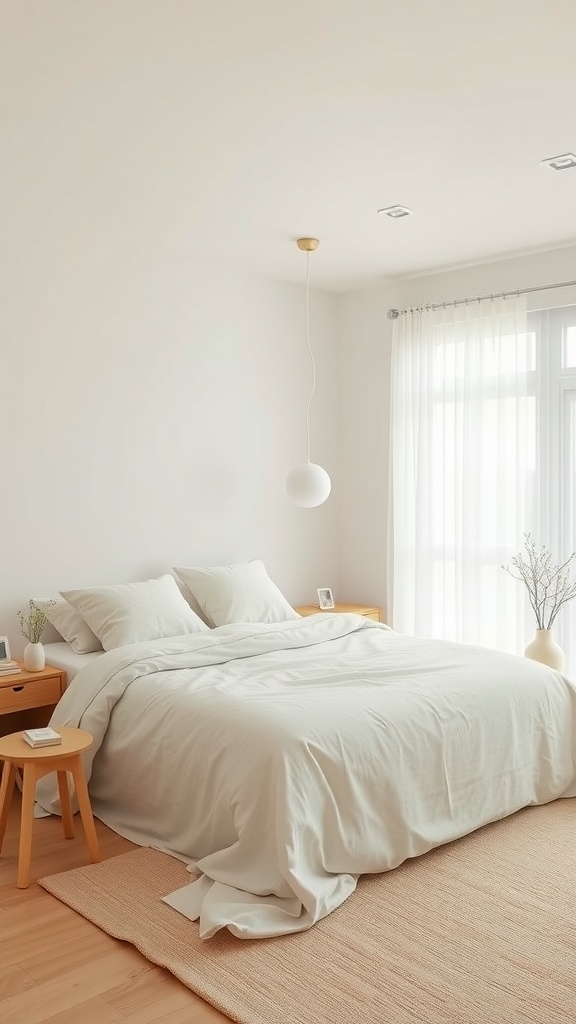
{"type": "Point", "coordinates": [32, 694]}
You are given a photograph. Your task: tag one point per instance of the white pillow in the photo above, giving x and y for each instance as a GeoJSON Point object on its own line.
{"type": "Point", "coordinates": [132, 612]}
{"type": "Point", "coordinates": [70, 624]}
{"type": "Point", "coordinates": [242, 592]}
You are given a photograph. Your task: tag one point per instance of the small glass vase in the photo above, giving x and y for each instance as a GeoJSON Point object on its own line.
{"type": "Point", "coordinates": [34, 657]}
{"type": "Point", "coordinates": [545, 649]}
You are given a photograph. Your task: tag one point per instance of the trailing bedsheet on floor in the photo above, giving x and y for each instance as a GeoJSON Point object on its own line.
{"type": "Point", "coordinates": [286, 760]}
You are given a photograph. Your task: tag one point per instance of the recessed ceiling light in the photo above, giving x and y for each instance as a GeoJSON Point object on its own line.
{"type": "Point", "coordinates": [395, 211]}
{"type": "Point", "coordinates": [562, 162]}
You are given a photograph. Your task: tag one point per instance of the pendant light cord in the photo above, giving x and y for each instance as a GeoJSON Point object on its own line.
{"type": "Point", "coordinates": [311, 355]}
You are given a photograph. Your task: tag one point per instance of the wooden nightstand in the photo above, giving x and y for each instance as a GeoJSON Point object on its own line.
{"type": "Point", "coordinates": [27, 699]}
{"type": "Point", "coordinates": [368, 611]}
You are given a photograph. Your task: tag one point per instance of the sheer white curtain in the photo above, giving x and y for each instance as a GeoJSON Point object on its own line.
{"type": "Point", "coordinates": [554, 331]}
{"type": "Point", "coordinates": [463, 471]}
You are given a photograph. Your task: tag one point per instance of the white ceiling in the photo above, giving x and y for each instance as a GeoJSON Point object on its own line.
{"type": "Point", "coordinates": [227, 128]}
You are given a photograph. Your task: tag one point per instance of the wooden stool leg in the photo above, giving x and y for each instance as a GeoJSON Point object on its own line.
{"type": "Point", "coordinates": [26, 824]}
{"type": "Point", "coordinates": [6, 791]}
{"type": "Point", "coordinates": [65, 805]}
{"type": "Point", "coordinates": [85, 808]}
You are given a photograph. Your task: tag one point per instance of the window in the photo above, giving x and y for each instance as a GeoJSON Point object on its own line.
{"type": "Point", "coordinates": [483, 451]}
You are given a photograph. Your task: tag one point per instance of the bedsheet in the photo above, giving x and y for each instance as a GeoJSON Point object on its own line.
{"type": "Point", "coordinates": [61, 655]}
{"type": "Point", "coordinates": [285, 760]}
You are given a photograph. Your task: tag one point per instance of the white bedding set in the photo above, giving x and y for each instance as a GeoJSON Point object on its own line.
{"type": "Point", "coordinates": [286, 759]}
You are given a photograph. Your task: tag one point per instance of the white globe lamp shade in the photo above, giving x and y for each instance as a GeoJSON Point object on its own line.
{"type": "Point", "coordinates": [308, 485]}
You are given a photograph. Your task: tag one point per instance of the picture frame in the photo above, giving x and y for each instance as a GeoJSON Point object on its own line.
{"type": "Point", "coordinates": [325, 599]}
{"type": "Point", "coordinates": [4, 649]}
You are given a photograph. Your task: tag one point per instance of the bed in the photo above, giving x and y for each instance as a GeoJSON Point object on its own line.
{"type": "Point", "coordinates": [283, 760]}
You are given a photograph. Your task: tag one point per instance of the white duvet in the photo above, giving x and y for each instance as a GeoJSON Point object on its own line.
{"type": "Point", "coordinates": [285, 760]}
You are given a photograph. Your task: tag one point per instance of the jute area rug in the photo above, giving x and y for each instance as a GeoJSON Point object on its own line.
{"type": "Point", "coordinates": [478, 932]}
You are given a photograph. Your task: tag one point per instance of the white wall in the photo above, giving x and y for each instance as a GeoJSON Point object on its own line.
{"type": "Point", "coordinates": [150, 411]}
{"type": "Point", "coordinates": [365, 360]}
{"type": "Point", "coordinates": [365, 368]}
{"type": "Point", "coordinates": [152, 402]}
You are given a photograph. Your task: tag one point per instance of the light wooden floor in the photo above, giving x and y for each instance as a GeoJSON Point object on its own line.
{"type": "Point", "coordinates": [56, 966]}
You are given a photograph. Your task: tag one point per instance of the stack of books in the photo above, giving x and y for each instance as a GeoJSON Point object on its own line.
{"type": "Point", "coordinates": [42, 737]}
{"type": "Point", "coordinates": [9, 668]}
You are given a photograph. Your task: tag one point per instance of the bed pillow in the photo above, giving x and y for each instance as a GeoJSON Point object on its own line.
{"type": "Point", "coordinates": [133, 612]}
{"type": "Point", "coordinates": [70, 624]}
{"type": "Point", "coordinates": [242, 592]}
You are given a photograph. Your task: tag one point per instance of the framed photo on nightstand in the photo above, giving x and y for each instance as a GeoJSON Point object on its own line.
{"type": "Point", "coordinates": [325, 599]}
{"type": "Point", "coordinates": [4, 649]}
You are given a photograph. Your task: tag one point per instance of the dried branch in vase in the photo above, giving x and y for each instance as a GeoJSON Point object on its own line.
{"type": "Point", "coordinates": [549, 586]}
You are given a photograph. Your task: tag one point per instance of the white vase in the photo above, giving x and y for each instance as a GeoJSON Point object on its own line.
{"type": "Point", "coordinates": [545, 649]}
{"type": "Point", "coordinates": [34, 657]}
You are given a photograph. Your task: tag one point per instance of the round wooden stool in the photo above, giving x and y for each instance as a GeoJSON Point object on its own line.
{"type": "Point", "coordinates": [34, 763]}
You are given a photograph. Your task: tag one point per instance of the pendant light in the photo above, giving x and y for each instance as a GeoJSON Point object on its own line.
{"type": "Point", "coordinates": [308, 485]}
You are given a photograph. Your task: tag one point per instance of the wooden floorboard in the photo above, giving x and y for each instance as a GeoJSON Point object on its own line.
{"type": "Point", "coordinates": [58, 968]}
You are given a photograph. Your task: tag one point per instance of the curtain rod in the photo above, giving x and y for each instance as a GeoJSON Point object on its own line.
{"type": "Point", "coordinates": [393, 314]}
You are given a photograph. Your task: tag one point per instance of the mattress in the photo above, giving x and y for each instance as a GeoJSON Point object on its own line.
{"type": "Point", "coordinates": [62, 656]}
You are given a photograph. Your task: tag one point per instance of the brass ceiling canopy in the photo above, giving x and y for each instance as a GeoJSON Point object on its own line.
{"type": "Point", "coordinates": [307, 244]}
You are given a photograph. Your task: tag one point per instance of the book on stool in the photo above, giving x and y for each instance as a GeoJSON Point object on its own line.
{"type": "Point", "coordinates": [41, 737]}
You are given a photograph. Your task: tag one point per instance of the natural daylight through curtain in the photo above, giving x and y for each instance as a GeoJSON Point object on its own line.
{"type": "Point", "coordinates": [463, 460]}
{"type": "Point", "coordinates": [483, 450]}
